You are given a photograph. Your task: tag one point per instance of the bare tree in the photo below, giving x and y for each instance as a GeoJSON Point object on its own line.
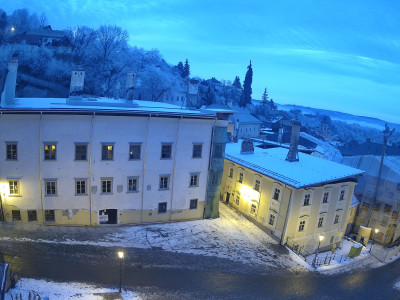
{"type": "Point", "coordinates": [111, 39]}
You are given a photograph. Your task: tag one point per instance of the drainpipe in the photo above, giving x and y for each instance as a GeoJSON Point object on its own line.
{"type": "Point", "coordinates": [173, 171]}
{"type": "Point", "coordinates": [1, 200]}
{"type": "Point", "coordinates": [90, 169]}
{"type": "Point", "coordinates": [282, 241]}
{"type": "Point", "coordinates": [144, 167]}
{"type": "Point", "coordinates": [40, 166]}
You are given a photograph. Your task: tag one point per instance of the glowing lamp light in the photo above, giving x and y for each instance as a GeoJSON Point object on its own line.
{"type": "Point", "coordinates": [376, 230]}
{"type": "Point", "coordinates": [249, 193]}
{"type": "Point", "coordinates": [321, 237]}
{"type": "Point", "coordinates": [12, 28]}
{"type": "Point", "coordinates": [109, 148]}
{"type": "Point", "coordinates": [120, 254]}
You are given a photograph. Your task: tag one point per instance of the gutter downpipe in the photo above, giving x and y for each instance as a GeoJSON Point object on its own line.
{"type": "Point", "coordinates": [2, 217]}
{"type": "Point", "coordinates": [282, 241]}
{"type": "Point", "coordinates": [174, 168]}
{"type": "Point", "coordinates": [90, 169]}
{"type": "Point", "coordinates": [40, 166]}
{"type": "Point", "coordinates": [144, 166]}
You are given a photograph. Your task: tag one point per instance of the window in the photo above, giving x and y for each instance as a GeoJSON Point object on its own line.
{"type": "Point", "coordinates": [240, 177]}
{"type": "Point", "coordinates": [193, 204]}
{"type": "Point", "coordinates": [325, 197]}
{"type": "Point", "coordinates": [302, 225]}
{"type": "Point", "coordinates": [50, 187]}
{"type": "Point", "coordinates": [49, 215]}
{"type": "Point", "coordinates": [277, 193]}
{"type": "Point", "coordinates": [194, 179]}
{"type": "Point", "coordinates": [162, 207]}
{"type": "Point", "coordinates": [164, 181]}
{"type": "Point", "coordinates": [271, 220]}
{"type": "Point", "coordinates": [107, 152]}
{"type": "Point", "coordinates": [106, 186]}
{"type": "Point", "coordinates": [134, 151]}
{"type": "Point", "coordinates": [218, 150]}
{"type": "Point", "coordinates": [132, 184]}
{"type": "Point", "coordinates": [80, 152]}
{"type": "Point", "coordinates": [197, 150]}
{"type": "Point", "coordinates": [231, 173]}
{"type": "Point", "coordinates": [320, 222]}
{"type": "Point", "coordinates": [32, 215]}
{"type": "Point", "coordinates": [307, 199]}
{"type": "Point", "coordinates": [237, 201]}
{"type": "Point", "coordinates": [253, 209]}
{"type": "Point", "coordinates": [215, 178]}
{"type": "Point", "coordinates": [11, 150]}
{"type": "Point", "coordinates": [257, 185]}
{"type": "Point", "coordinates": [16, 215]}
{"type": "Point", "coordinates": [49, 151]}
{"type": "Point", "coordinates": [14, 187]}
{"type": "Point", "coordinates": [341, 197]}
{"type": "Point", "coordinates": [332, 237]}
{"type": "Point", "coordinates": [337, 219]}
{"type": "Point", "coordinates": [80, 187]}
{"type": "Point", "coordinates": [166, 150]}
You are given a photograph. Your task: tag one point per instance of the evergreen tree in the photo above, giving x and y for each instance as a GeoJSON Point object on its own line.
{"type": "Point", "coordinates": [186, 69]}
{"type": "Point", "coordinates": [272, 104]}
{"type": "Point", "coordinates": [247, 87]}
{"type": "Point", "coordinates": [265, 97]}
{"type": "Point", "coordinates": [179, 66]}
{"type": "Point", "coordinates": [236, 83]}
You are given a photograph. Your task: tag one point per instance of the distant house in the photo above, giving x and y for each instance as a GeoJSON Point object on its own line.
{"type": "Point", "coordinates": [384, 211]}
{"type": "Point", "coordinates": [297, 201]}
{"type": "Point", "coordinates": [245, 125]}
{"type": "Point", "coordinates": [368, 147]}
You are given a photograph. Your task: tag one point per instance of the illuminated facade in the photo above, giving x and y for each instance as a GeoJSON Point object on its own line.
{"type": "Point", "coordinates": [295, 201]}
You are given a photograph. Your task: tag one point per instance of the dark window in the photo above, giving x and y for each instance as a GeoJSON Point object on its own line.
{"type": "Point", "coordinates": [49, 215]}
{"type": "Point", "coordinates": [11, 150]}
{"type": "Point", "coordinates": [257, 185]}
{"type": "Point", "coordinates": [271, 220]}
{"type": "Point", "coordinates": [231, 173]}
{"type": "Point", "coordinates": [193, 204]}
{"type": "Point", "coordinates": [51, 187]}
{"type": "Point", "coordinates": [134, 151]}
{"type": "Point", "coordinates": [162, 207]}
{"type": "Point", "coordinates": [325, 198]}
{"type": "Point", "coordinates": [320, 221]}
{"type": "Point", "coordinates": [307, 199]}
{"type": "Point", "coordinates": [194, 179]}
{"type": "Point", "coordinates": [341, 195]}
{"type": "Point", "coordinates": [107, 152]}
{"type": "Point", "coordinates": [336, 219]}
{"type": "Point", "coordinates": [164, 182]}
{"type": "Point", "coordinates": [80, 187]}
{"type": "Point", "coordinates": [166, 150]}
{"type": "Point", "coordinates": [132, 184]}
{"type": "Point", "coordinates": [49, 151]}
{"type": "Point", "coordinates": [240, 177]}
{"type": "Point", "coordinates": [253, 209]}
{"type": "Point", "coordinates": [332, 237]}
{"type": "Point", "coordinates": [215, 178]}
{"type": "Point", "coordinates": [277, 192]}
{"type": "Point", "coordinates": [80, 152]}
{"type": "Point", "coordinates": [32, 215]}
{"type": "Point", "coordinates": [197, 149]}
{"type": "Point", "coordinates": [16, 215]}
{"type": "Point", "coordinates": [106, 186]}
{"type": "Point", "coordinates": [302, 225]}
{"type": "Point", "coordinates": [218, 150]}
{"type": "Point", "coordinates": [237, 201]}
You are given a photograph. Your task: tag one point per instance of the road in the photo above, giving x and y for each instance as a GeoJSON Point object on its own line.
{"type": "Point", "coordinates": [156, 274]}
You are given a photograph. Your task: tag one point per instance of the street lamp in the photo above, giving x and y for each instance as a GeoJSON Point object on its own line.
{"type": "Point", "coordinates": [321, 237]}
{"type": "Point", "coordinates": [372, 244]}
{"type": "Point", "coordinates": [121, 257]}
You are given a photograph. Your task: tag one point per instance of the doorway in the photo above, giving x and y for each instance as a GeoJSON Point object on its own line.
{"type": "Point", "coordinates": [108, 216]}
{"type": "Point", "coordinates": [228, 195]}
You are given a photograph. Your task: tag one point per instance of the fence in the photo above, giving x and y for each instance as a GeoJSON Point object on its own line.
{"type": "Point", "coordinates": [326, 260]}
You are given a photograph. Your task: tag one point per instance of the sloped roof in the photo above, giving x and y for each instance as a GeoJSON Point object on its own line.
{"type": "Point", "coordinates": [308, 171]}
{"type": "Point", "coordinates": [244, 118]}
{"type": "Point", "coordinates": [47, 32]}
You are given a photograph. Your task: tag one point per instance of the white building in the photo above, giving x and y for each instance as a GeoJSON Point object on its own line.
{"type": "Point", "coordinates": [91, 161]}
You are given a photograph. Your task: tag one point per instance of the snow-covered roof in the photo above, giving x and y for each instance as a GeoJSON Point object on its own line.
{"type": "Point", "coordinates": [308, 171]}
{"type": "Point", "coordinates": [371, 163]}
{"type": "Point", "coordinates": [103, 105]}
{"type": "Point", "coordinates": [244, 118]}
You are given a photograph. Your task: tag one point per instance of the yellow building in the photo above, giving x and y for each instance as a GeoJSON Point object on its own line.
{"type": "Point", "coordinates": [296, 197]}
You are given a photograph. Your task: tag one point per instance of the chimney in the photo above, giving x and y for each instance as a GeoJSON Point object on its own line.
{"type": "Point", "coordinates": [130, 85]}
{"type": "Point", "coordinates": [247, 147]}
{"type": "Point", "coordinates": [11, 80]}
{"type": "Point", "coordinates": [77, 81]}
{"type": "Point", "coordinates": [293, 154]}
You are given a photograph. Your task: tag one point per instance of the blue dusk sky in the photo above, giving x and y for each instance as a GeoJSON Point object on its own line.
{"type": "Point", "coordinates": [339, 55]}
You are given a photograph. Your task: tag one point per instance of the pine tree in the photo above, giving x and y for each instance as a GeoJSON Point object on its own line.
{"type": "Point", "coordinates": [265, 97]}
{"type": "Point", "coordinates": [179, 66]}
{"type": "Point", "coordinates": [247, 87]}
{"type": "Point", "coordinates": [186, 69]}
{"type": "Point", "coordinates": [236, 83]}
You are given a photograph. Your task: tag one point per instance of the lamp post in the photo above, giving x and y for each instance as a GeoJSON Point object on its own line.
{"type": "Point", "coordinates": [121, 257]}
{"type": "Point", "coordinates": [321, 237]}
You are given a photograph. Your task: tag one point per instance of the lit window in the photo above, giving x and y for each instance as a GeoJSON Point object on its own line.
{"type": "Point", "coordinates": [162, 207]}
{"type": "Point", "coordinates": [193, 204]}
{"type": "Point", "coordinates": [80, 187]}
{"type": "Point", "coordinates": [134, 151]}
{"type": "Point", "coordinates": [231, 173]}
{"type": "Point", "coordinates": [271, 220]}
{"type": "Point", "coordinates": [11, 150]}
{"type": "Point", "coordinates": [337, 219]}
{"type": "Point", "coordinates": [277, 192]}
{"type": "Point", "coordinates": [106, 186]}
{"type": "Point", "coordinates": [132, 184]}
{"type": "Point", "coordinates": [107, 152]}
{"type": "Point", "coordinates": [164, 181]}
{"type": "Point", "coordinates": [341, 195]}
{"type": "Point", "coordinates": [197, 150]}
{"type": "Point", "coordinates": [325, 197]}
{"type": "Point", "coordinates": [50, 187]}
{"type": "Point", "coordinates": [307, 199]}
{"type": "Point", "coordinates": [302, 225]}
{"type": "Point", "coordinates": [194, 179]}
{"type": "Point", "coordinates": [320, 221]}
{"type": "Point", "coordinates": [166, 150]}
{"type": "Point", "coordinates": [49, 151]}
{"type": "Point", "coordinates": [80, 152]}
{"type": "Point", "coordinates": [14, 187]}
{"type": "Point", "coordinates": [257, 185]}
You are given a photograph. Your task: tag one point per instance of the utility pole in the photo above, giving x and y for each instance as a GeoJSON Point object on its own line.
{"type": "Point", "coordinates": [386, 135]}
